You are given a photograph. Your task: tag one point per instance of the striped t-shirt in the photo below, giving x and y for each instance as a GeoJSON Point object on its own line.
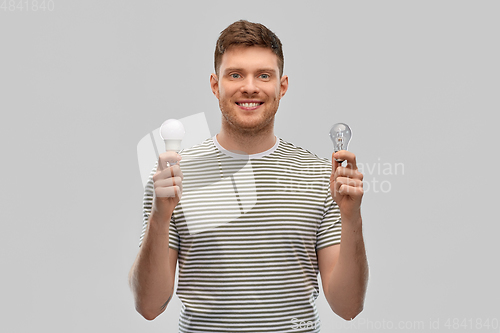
{"type": "Point", "coordinates": [247, 229]}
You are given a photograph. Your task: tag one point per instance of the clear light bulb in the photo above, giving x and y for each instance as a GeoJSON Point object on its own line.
{"type": "Point", "coordinates": [341, 135]}
{"type": "Point", "coordinates": [172, 132]}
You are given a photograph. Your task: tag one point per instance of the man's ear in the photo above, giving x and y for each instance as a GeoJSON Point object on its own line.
{"type": "Point", "coordinates": [214, 84]}
{"type": "Point", "coordinates": [283, 85]}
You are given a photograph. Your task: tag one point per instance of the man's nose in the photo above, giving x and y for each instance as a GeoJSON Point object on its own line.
{"type": "Point", "coordinates": [249, 86]}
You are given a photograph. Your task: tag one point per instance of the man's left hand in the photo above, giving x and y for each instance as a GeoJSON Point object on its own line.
{"type": "Point", "coordinates": [346, 185]}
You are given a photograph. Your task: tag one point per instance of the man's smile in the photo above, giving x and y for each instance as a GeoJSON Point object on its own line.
{"type": "Point", "coordinates": [249, 105]}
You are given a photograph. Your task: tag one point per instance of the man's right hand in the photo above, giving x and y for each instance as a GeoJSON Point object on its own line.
{"type": "Point", "coordinates": [152, 277]}
{"type": "Point", "coordinates": [167, 184]}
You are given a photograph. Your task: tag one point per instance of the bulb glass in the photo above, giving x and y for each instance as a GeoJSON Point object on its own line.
{"type": "Point", "coordinates": [340, 134]}
{"type": "Point", "coordinates": [172, 132]}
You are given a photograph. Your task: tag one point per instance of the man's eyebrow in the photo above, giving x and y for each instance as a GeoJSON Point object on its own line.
{"type": "Point", "coordinates": [232, 69]}
{"type": "Point", "coordinates": [272, 70]}
{"type": "Point", "coordinates": [238, 69]}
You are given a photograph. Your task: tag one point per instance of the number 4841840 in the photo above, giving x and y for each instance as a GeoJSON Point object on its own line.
{"type": "Point", "coordinates": [27, 5]}
{"type": "Point", "coordinates": [472, 324]}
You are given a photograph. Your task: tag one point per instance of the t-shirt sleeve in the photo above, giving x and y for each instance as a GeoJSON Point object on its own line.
{"type": "Point", "coordinates": [331, 226]}
{"type": "Point", "coordinates": [146, 212]}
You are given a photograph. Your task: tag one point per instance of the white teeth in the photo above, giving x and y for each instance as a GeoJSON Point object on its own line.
{"type": "Point", "coordinates": [249, 105]}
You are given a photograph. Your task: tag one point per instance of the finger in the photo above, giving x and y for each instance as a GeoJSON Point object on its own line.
{"type": "Point", "coordinates": [335, 165]}
{"type": "Point", "coordinates": [349, 181]}
{"type": "Point", "coordinates": [345, 155]}
{"type": "Point", "coordinates": [173, 171]}
{"type": "Point", "coordinates": [167, 159]}
{"type": "Point", "coordinates": [346, 190]}
{"type": "Point", "coordinates": [173, 181]}
{"type": "Point", "coordinates": [172, 175]}
{"type": "Point", "coordinates": [352, 191]}
{"type": "Point", "coordinates": [168, 192]}
{"type": "Point", "coordinates": [347, 172]}
{"type": "Point", "coordinates": [176, 171]}
{"type": "Point", "coordinates": [347, 186]}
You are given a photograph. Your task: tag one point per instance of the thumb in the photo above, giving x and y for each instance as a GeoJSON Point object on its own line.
{"type": "Point", "coordinates": [167, 159]}
{"type": "Point", "coordinates": [335, 164]}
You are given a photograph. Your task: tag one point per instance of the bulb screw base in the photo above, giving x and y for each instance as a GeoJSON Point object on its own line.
{"type": "Point", "coordinates": [173, 145]}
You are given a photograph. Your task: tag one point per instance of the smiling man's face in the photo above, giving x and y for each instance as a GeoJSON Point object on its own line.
{"type": "Point", "coordinates": [249, 89]}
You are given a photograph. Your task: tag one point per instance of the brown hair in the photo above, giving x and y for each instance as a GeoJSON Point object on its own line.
{"type": "Point", "coordinates": [247, 33]}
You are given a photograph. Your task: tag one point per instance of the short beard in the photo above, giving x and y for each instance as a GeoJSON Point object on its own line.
{"type": "Point", "coordinates": [248, 131]}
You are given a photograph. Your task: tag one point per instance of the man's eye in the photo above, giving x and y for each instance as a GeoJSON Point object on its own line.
{"type": "Point", "coordinates": [234, 76]}
{"type": "Point", "coordinates": [264, 76]}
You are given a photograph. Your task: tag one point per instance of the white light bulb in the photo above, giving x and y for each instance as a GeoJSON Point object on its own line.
{"type": "Point", "coordinates": [172, 132]}
{"type": "Point", "coordinates": [341, 135]}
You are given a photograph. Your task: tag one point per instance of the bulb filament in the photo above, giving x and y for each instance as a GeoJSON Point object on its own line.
{"type": "Point", "coordinates": [340, 141]}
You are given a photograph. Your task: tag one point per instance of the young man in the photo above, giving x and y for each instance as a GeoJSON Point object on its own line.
{"type": "Point", "coordinates": [251, 218]}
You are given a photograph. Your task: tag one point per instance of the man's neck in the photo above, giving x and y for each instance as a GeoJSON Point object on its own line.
{"type": "Point", "coordinates": [251, 143]}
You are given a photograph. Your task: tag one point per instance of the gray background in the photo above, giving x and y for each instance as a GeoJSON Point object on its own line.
{"type": "Point", "coordinates": [417, 81]}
